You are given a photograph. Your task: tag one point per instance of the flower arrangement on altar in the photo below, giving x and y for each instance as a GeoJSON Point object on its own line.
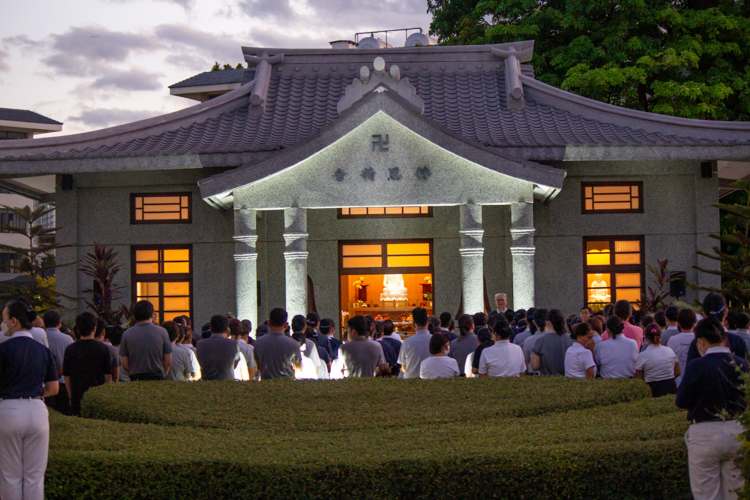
{"type": "Point", "coordinates": [358, 283]}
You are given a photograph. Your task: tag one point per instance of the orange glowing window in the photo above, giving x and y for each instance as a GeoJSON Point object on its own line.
{"type": "Point", "coordinates": [613, 271]}
{"type": "Point", "coordinates": [381, 256]}
{"type": "Point", "coordinates": [162, 276]}
{"type": "Point", "coordinates": [383, 212]}
{"type": "Point", "coordinates": [160, 208]}
{"type": "Point", "coordinates": [615, 197]}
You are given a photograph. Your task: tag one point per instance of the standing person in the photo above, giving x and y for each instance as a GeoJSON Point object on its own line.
{"type": "Point", "coordinates": [181, 368]}
{"type": "Point", "coordinates": [247, 329]}
{"type": "Point", "coordinates": [299, 324]}
{"type": "Point", "coordinates": [537, 326]}
{"type": "Point", "coordinates": [548, 354]}
{"type": "Point", "coordinates": [597, 327]}
{"type": "Point", "coordinates": [387, 338]}
{"type": "Point", "coordinates": [466, 343]}
{"type": "Point", "coordinates": [579, 358]}
{"type": "Point", "coordinates": [87, 362]}
{"type": "Point", "coordinates": [114, 355]}
{"type": "Point", "coordinates": [27, 375]}
{"type": "Point", "coordinates": [145, 348]}
{"type": "Point", "coordinates": [446, 320]}
{"type": "Point", "coordinates": [313, 321]}
{"type": "Point", "coordinates": [657, 365]}
{"type": "Point", "coordinates": [388, 325]}
{"type": "Point", "coordinates": [680, 343]}
{"type": "Point", "coordinates": [416, 348]}
{"type": "Point", "coordinates": [670, 320]}
{"type": "Point", "coordinates": [624, 311]}
{"type": "Point", "coordinates": [58, 342]}
{"type": "Point", "coordinates": [501, 304]}
{"type": "Point", "coordinates": [439, 365]}
{"type": "Point", "coordinates": [218, 355]}
{"type": "Point", "coordinates": [277, 355]}
{"type": "Point", "coordinates": [240, 335]}
{"type": "Point", "coordinates": [715, 306]}
{"type": "Point", "coordinates": [617, 355]}
{"type": "Point", "coordinates": [712, 393]}
{"type": "Point", "coordinates": [484, 339]}
{"type": "Point", "coordinates": [585, 314]}
{"type": "Point", "coordinates": [361, 358]}
{"type": "Point", "coordinates": [502, 359]}
{"type": "Point", "coordinates": [742, 321]}
{"type": "Point", "coordinates": [37, 333]}
{"type": "Point", "coordinates": [113, 335]}
{"type": "Point", "coordinates": [328, 328]}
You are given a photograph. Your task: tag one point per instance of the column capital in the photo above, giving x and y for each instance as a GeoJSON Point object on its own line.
{"type": "Point", "coordinates": [472, 233]}
{"type": "Point", "coordinates": [291, 237]}
{"type": "Point", "coordinates": [246, 238]}
{"type": "Point", "coordinates": [295, 255]}
{"type": "Point", "coordinates": [520, 232]}
{"type": "Point", "coordinates": [471, 252]}
{"type": "Point", "coordinates": [522, 250]}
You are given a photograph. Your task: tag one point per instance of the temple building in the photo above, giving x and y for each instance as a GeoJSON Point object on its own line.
{"type": "Point", "coordinates": [354, 179]}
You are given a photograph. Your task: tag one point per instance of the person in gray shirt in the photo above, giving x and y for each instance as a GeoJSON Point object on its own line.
{"type": "Point", "coordinates": [145, 348]}
{"type": "Point", "coordinates": [416, 348]}
{"type": "Point", "coordinates": [361, 357]}
{"type": "Point", "coordinates": [58, 341]}
{"type": "Point", "coordinates": [466, 343]}
{"type": "Point", "coordinates": [217, 354]}
{"type": "Point", "coordinates": [240, 335]}
{"type": "Point", "coordinates": [548, 354]}
{"type": "Point", "coordinates": [182, 364]}
{"type": "Point", "coordinates": [277, 355]}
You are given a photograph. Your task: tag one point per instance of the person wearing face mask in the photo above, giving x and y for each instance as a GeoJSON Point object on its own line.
{"type": "Point", "coordinates": [28, 374]}
{"type": "Point", "coordinates": [439, 365]}
{"type": "Point", "coordinates": [711, 392]}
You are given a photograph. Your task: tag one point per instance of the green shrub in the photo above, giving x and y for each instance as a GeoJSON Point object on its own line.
{"type": "Point", "coordinates": [454, 438]}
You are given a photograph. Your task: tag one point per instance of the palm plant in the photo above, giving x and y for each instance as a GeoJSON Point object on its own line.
{"type": "Point", "coordinates": [103, 266]}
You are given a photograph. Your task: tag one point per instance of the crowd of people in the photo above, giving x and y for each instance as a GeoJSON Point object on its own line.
{"type": "Point", "coordinates": [676, 352]}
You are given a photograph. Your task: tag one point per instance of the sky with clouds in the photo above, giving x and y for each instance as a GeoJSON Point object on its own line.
{"type": "Point", "coordinates": [97, 63]}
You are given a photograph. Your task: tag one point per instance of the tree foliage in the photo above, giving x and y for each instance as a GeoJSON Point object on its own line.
{"type": "Point", "coordinates": [218, 67]}
{"type": "Point", "coordinates": [685, 58]}
{"type": "Point", "coordinates": [657, 289]}
{"type": "Point", "coordinates": [102, 265]}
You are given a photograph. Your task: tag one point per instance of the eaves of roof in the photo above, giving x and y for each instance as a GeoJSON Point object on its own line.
{"type": "Point", "coordinates": [26, 116]}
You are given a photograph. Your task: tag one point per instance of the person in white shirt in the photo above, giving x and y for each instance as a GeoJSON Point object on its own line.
{"type": "Point", "coordinates": [657, 365]}
{"type": "Point", "coordinates": [503, 359]}
{"type": "Point", "coordinates": [579, 358]}
{"type": "Point", "coordinates": [439, 365]}
{"type": "Point", "coordinates": [680, 343]}
{"type": "Point", "coordinates": [37, 326]}
{"type": "Point", "coordinates": [616, 356]}
{"type": "Point", "coordinates": [670, 318]}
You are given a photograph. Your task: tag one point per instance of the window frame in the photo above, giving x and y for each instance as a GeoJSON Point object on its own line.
{"type": "Point", "coordinates": [385, 269]}
{"type": "Point", "coordinates": [341, 215]}
{"type": "Point", "coordinates": [638, 210]}
{"type": "Point", "coordinates": [189, 219]}
{"type": "Point", "coordinates": [613, 269]}
{"type": "Point", "coordinates": [160, 277]}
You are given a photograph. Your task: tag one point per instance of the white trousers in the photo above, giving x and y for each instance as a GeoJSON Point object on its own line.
{"type": "Point", "coordinates": [712, 449]}
{"type": "Point", "coordinates": [24, 445]}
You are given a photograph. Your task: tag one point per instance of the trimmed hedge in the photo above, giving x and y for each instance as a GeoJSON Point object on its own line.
{"type": "Point", "coordinates": [311, 440]}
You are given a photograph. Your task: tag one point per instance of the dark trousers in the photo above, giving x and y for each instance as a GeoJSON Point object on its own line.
{"type": "Point", "coordinates": [663, 388]}
{"type": "Point", "coordinates": [60, 402]}
{"type": "Point", "coordinates": [146, 376]}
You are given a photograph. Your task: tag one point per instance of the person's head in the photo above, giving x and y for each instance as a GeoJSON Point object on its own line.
{"type": "Point", "coordinates": [582, 333]}
{"type": "Point", "coordinates": [51, 319]}
{"type": "Point", "coordinates": [445, 320]}
{"type": "Point", "coordinates": [465, 324]}
{"type": "Point", "coordinates": [670, 315]}
{"type": "Point", "coordinates": [379, 329]}
{"type": "Point", "coordinates": [596, 324]}
{"type": "Point", "coordinates": [357, 326]}
{"type": "Point", "coordinates": [439, 343]}
{"type": "Point", "coordinates": [483, 335]}
{"type": "Point", "coordinates": [519, 315]}
{"type": "Point", "coordinates": [686, 320]}
{"type": "Point", "coordinates": [522, 325]}
{"type": "Point", "coordinates": [113, 334]}
{"type": "Point", "coordinates": [530, 319]}
{"type": "Point", "coordinates": [509, 315]}
{"type": "Point", "coordinates": [247, 326]}
{"type": "Point", "coordinates": [501, 301]}
{"type": "Point", "coordinates": [143, 310]}
{"type": "Point", "coordinates": [586, 313]}
{"type": "Point", "coordinates": [480, 320]}
{"type": "Point", "coordinates": [15, 317]}
{"type": "Point", "coordinates": [387, 327]}
{"type": "Point", "coordinates": [419, 316]}
{"type": "Point", "coordinates": [300, 338]}
{"type": "Point", "coordinates": [645, 320]}
{"type": "Point", "coordinates": [708, 333]}
{"type": "Point", "coordinates": [433, 324]}
{"type": "Point", "coordinates": [299, 323]}
{"type": "Point", "coordinates": [540, 318]}
{"type": "Point", "coordinates": [206, 331]}
{"type": "Point", "coordinates": [555, 321]}
{"type": "Point", "coordinates": [219, 324]}
{"type": "Point", "coordinates": [173, 330]}
{"type": "Point", "coordinates": [277, 319]}
{"type": "Point", "coordinates": [660, 318]}
{"type": "Point", "coordinates": [615, 326]}
{"type": "Point", "coordinates": [262, 330]}
{"type": "Point", "coordinates": [235, 329]}
{"type": "Point", "coordinates": [652, 332]}
{"type": "Point", "coordinates": [743, 319]}
{"type": "Point", "coordinates": [501, 331]}
{"type": "Point", "coordinates": [715, 306]}
{"type": "Point", "coordinates": [309, 332]}
{"type": "Point", "coordinates": [182, 320]}
{"type": "Point", "coordinates": [326, 326]}
{"type": "Point", "coordinates": [731, 320]}
{"type": "Point", "coordinates": [100, 326]}
{"type": "Point", "coordinates": [492, 319]}
{"type": "Point", "coordinates": [571, 321]}
{"type": "Point", "coordinates": [370, 322]}
{"type": "Point", "coordinates": [37, 322]}
{"type": "Point", "coordinates": [85, 325]}
{"type": "Point", "coordinates": [623, 310]}
{"type": "Point", "coordinates": [313, 320]}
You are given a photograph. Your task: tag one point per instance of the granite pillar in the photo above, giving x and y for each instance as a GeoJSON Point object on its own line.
{"type": "Point", "coordinates": [245, 263]}
{"type": "Point", "coordinates": [472, 258]}
{"type": "Point", "coordinates": [522, 251]}
{"type": "Point", "coordinates": [295, 260]}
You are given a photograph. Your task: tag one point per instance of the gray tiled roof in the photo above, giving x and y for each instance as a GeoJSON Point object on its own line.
{"type": "Point", "coordinates": [212, 78]}
{"type": "Point", "coordinates": [466, 99]}
{"type": "Point", "coordinates": [24, 115]}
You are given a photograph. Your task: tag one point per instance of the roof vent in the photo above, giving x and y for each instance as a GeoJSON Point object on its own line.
{"type": "Point", "coordinates": [419, 40]}
{"type": "Point", "coordinates": [343, 44]}
{"type": "Point", "coordinates": [373, 43]}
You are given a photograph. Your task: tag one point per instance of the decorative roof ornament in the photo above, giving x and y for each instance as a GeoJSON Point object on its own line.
{"type": "Point", "coordinates": [514, 54]}
{"type": "Point", "coordinates": [380, 81]}
{"type": "Point", "coordinates": [263, 64]}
